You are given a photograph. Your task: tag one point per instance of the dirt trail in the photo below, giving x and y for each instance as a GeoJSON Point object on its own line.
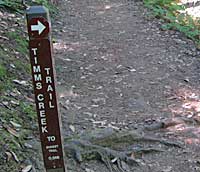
{"type": "Point", "coordinates": [117, 69]}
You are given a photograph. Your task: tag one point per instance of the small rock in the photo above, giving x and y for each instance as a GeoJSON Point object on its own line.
{"type": "Point", "coordinates": [107, 7]}
{"type": "Point", "coordinates": [13, 94]}
{"type": "Point", "coordinates": [118, 80]}
{"type": "Point", "coordinates": [88, 113]}
{"type": "Point", "coordinates": [179, 41]}
{"type": "Point", "coordinates": [28, 145]}
{"type": "Point", "coordinates": [132, 70]}
{"type": "Point", "coordinates": [12, 65]}
{"type": "Point", "coordinates": [94, 106]}
{"type": "Point", "coordinates": [5, 103]}
{"type": "Point", "coordinates": [99, 100]}
{"type": "Point", "coordinates": [167, 169]}
{"type": "Point", "coordinates": [88, 170]}
{"type": "Point", "coordinates": [114, 127]}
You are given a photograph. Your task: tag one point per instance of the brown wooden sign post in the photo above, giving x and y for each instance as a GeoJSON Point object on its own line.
{"type": "Point", "coordinates": [40, 47]}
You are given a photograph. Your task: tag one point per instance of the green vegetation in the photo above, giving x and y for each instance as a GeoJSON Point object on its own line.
{"type": "Point", "coordinates": [174, 18]}
{"type": "Point", "coordinates": [5, 82]}
{"type": "Point", "coordinates": [3, 76]}
{"type": "Point", "coordinates": [2, 72]}
{"type": "Point", "coordinates": [17, 118]}
{"type": "Point", "coordinates": [18, 6]}
{"type": "Point", "coordinates": [14, 5]}
{"type": "Point", "coordinates": [21, 43]}
{"type": "Point", "coordinates": [21, 47]}
{"type": "Point", "coordinates": [14, 107]}
{"type": "Point", "coordinates": [28, 110]}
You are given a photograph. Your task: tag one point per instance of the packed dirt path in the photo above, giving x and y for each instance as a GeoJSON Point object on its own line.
{"type": "Point", "coordinates": [116, 68]}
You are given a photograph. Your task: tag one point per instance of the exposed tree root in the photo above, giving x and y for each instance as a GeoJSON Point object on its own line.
{"type": "Point", "coordinates": [106, 145]}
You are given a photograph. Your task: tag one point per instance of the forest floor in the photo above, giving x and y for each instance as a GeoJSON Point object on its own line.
{"type": "Point", "coordinates": [117, 69]}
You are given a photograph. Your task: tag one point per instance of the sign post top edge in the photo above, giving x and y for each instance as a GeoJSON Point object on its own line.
{"type": "Point", "coordinates": [34, 10]}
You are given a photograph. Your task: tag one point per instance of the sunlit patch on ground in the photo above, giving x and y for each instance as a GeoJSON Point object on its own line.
{"type": "Point", "coordinates": [104, 8]}
{"type": "Point", "coordinates": [193, 9]}
{"type": "Point", "coordinates": [186, 115]}
{"type": "Point", "coordinates": [190, 102]}
{"type": "Point", "coordinates": [63, 93]}
{"type": "Point", "coordinates": [192, 141]}
{"type": "Point", "coordinates": [61, 46]}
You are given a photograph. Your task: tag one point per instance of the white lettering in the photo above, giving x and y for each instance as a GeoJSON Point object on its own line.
{"type": "Point", "coordinates": [52, 146]}
{"type": "Point", "coordinates": [49, 88]}
{"type": "Point", "coordinates": [43, 121]}
{"type": "Point", "coordinates": [35, 60]}
{"type": "Point", "coordinates": [40, 97]}
{"type": "Point", "coordinates": [37, 77]}
{"type": "Point", "coordinates": [42, 113]}
{"type": "Point", "coordinates": [51, 158]}
{"type": "Point", "coordinates": [34, 51]}
{"type": "Point", "coordinates": [50, 96]}
{"type": "Point", "coordinates": [36, 69]}
{"type": "Point", "coordinates": [47, 70]}
{"type": "Point", "coordinates": [44, 129]}
{"type": "Point", "coordinates": [53, 150]}
{"type": "Point", "coordinates": [41, 105]}
{"type": "Point", "coordinates": [51, 138]}
{"type": "Point", "coordinates": [48, 79]}
{"type": "Point", "coordinates": [38, 85]}
{"type": "Point", "coordinates": [50, 105]}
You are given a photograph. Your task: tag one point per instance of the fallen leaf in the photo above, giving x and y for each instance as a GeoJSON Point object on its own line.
{"type": "Point", "coordinates": [114, 160]}
{"type": "Point", "coordinates": [30, 99]}
{"type": "Point", "coordinates": [114, 127]}
{"type": "Point", "coordinates": [12, 131]}
{"type": "Point", "coordinates": [72, 128]}
{"type": "Point", "coordinates": [107, 7]}
{"type": "Point", "coordinates": [14, 156]}
{"type": "Point", "coordinates": [9, 156]}
{"type": "Point", "coordinates": [4, 38]}
{"type": "Point", "coordinates": [14, 102]}
{"type": "Point", "coordinates": [16, 125]}
{"type": "Point", "coordinates": [24, 83]}
{"type": "Point", "coordinates": [28, 145]}
{"type": "Point", "coordinates": [27, 168]}
{"type": "Point", "coordinates": [132, 155]}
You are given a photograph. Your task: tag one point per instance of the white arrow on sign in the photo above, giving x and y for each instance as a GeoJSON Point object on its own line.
{"type": "Point", "coordinates": [39, 27]}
